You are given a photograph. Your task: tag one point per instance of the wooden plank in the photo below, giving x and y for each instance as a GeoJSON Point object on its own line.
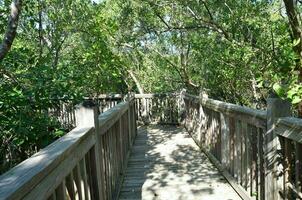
{"type": "Point", "coordinates": [77, 183]}
{"type": "Point", "coordinates": [55, 177]}
{"type": "Point", "coordinates": [97, 163]}
{"type": "Point", "coordinates": [254, 162]}
{"type": "Point", "coordinates": [104, 172]}
{"type": "Point", "coordinates": [225, 140]}
{"type": "Point", "coordinates": [136, 183]}
{"type": "Point", "coordinates": [241, 191]}
{"type": "Point", "coordinates": [61, 191]}
{"type": "Point", "coordinates": [248, 159]}
{"type": "Point", "coordinates": [70, 186]}
{"type": "Point", "coordinates": [298, 169]}
{"type": "Point", "coordinates": [290, 128]}
{"type": "Point", "coordinates": [252, 116]}
{"type": "Point", "coordinates": [261, 178]}
{"type": "Point", "coordinates": [276, 108]}
{"type": "Point", "coordinates": [238, 152]}
{"type": "Point", "coordinates": [84, 185]}
{"type": "Point", "coordinates": [289, 173]}
{"type": "Point", "coordinates": [110, 96]}
{"type": "Point", "coordinates": [159, 95]}
{"type": "Point", "coordinates": [232, 146]}
{"type": "Point", "coordinates": [110, 117]}
{"type": "Point", "coordinates": [217, 131]}
{"type": "Point", "coordinates": [244, 156]}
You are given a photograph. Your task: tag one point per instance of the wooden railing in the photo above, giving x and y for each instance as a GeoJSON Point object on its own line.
{"type": "Point", "coordinates": [289, 131]}
{"type": "Point", "coordinates": [64, 112]}
{"type": "Point", "coordinates": [259, 152]}
{"type": "Point", "coordinates": [106, 101]}
{"type": "Point", "coordinates": [150, 108]}
{"type": "Point", "coordinates": [157, 108]}
{"type": "Point", "coordinates": [87, 163]}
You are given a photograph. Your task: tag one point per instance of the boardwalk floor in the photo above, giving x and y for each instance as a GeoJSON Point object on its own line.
{"type": "Point", "coordinates": [166, 164]}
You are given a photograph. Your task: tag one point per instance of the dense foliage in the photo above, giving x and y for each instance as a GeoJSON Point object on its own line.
{"type": "Point", "coordinates": [237, 51]}
{"type": "Point", "coordinates": [61, 52]}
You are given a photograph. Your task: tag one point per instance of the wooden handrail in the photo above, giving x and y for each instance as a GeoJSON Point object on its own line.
{"type": "Point", "coordinates": [243, 144]}
{"type": "Point", "coordinates": [139, 96]}
{"type": "Point", "coordinates": [23, 178]}
{"type": "Point", "coordinates": [89, 160]}
{"type": "Point", "coordinates": [235, 138]}
{"type": "Point", "coordinates": [77, 164]}
{"type": "Point", "coordinates": [228, 108]}
{"type": "Point", "coordinates": [290, 128]}
{"type": "Point", "coordinates": [108, 118]}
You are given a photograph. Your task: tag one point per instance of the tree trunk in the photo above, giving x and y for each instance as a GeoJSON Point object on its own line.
{"type": "Point", "coordinates": [296, 35]}
{"type": "Point", "coordinates": [11, 30]}
{"type": "Point", "coordinates": [144, 102]}
{"type": "Point", "coordinates": [137, 83]}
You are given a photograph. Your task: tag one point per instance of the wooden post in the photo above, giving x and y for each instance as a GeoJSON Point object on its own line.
{"type": "Point", "coordinates": [225, 138]}
{"type": "Point", "coordinates": [276, 108]}
{"type": "Point", "coordinates": [87, 115]}
{"type": "Point", "coordinates": [181, 107]}
{"type": "Point", "coordinates": [130, 128]}
{"type": "Point", "coordinates": [202, 119]}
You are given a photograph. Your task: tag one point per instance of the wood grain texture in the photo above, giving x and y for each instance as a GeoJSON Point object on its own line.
{"type": "Point", "coordinates": [165, 163]}
{"type": "Point", "coordinates": [24, 177]}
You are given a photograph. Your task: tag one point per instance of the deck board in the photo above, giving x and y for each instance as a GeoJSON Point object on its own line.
{"type": "Point", "coordinates": [166, 164]}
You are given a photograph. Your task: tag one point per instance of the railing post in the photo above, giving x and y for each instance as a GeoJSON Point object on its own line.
{"type": "Point", "coordinates": [276, 108]}
{"type": "Point", "coordinates": [84, 114]}
{"type": "Point", "coordinates": [202, 118]}
{"type": "Point", "coordinates": [225, 140]}
{"type": "Point", "coordinates": [130, 126]}
{"type": "Point", "coordinates": [87, 115]}
{"type": "Point", "coordinates": [181, 107]}
{"type": "Point", "coordinates": [133, 115]}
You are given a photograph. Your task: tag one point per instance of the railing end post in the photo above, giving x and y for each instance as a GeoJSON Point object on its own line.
{"type": "Point", "coordinates": [86, 114]}
{"type": "Point", "coordinates": [276, 108]}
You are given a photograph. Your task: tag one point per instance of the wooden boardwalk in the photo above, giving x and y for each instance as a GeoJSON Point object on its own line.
{"type": "Point", "coordinates": [166, 164]}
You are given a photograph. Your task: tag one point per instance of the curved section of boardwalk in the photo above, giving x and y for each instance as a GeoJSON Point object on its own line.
{"type": "Point", "coordinates": [166, 164]}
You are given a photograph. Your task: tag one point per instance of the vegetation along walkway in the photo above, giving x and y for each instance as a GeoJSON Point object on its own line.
{"type": "Point", "coordinates": [165, 163]}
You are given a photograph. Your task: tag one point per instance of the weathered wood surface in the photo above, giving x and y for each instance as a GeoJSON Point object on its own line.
{"type": "Point", "coordinates": [289, 130]}
{"type": "Point", "coordinates": [165, 163]}
{"type": "Point", "coordinates": [229, 134]}
{"type": "Point", "coordinates": [64, 112]}
{"type": "Point", "coordinates": [259, 152]}
{"type": "Point", "coordinates": [87, 163]}
{"type": "Point", "coordinates": [157, 108]}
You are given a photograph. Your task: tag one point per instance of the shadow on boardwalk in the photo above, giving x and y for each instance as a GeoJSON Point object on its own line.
{"type": "Point", "coordinates": [165, 163]}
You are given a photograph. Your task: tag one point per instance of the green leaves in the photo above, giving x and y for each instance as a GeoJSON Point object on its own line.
{"type": "Point", "coordinates": [279, 89]}
{"type": "Point", "coordinates": [296, 42]}
{"type": "Point", "coordinates": [61, 51]}
{"type": "Point", "coordinates": [295, 93]}
{"type": "Point", "coordinates": [238, 51]}
{"type": "Point", "coordinates": [296, 100]}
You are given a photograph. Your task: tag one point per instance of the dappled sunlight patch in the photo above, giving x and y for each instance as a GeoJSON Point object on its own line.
{"type": "Point", "coordinates": [174, 168]}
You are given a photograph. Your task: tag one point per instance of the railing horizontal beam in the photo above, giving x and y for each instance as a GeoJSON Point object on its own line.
{"type": "Point", "coordinates": [24, 177]}
{"type": "Point", "coordinates": [107, 119]}
{"type": "Point", "coordinates": [290, 128]}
